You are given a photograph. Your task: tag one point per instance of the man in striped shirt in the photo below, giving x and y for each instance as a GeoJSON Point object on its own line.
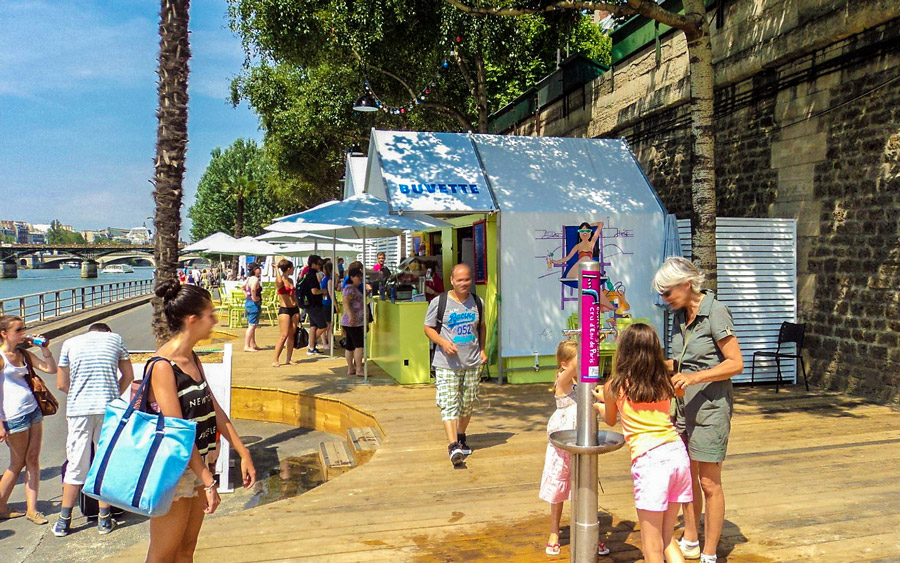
{"type": "Point", "coordinates": [88, 373]}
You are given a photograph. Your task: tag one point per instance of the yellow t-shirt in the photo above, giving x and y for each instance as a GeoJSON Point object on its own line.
{"type": "Point", "coordinates": [646, 425]}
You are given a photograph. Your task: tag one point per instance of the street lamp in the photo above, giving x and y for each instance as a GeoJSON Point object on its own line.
{"type": "Point", "coordinates": [365, 103]}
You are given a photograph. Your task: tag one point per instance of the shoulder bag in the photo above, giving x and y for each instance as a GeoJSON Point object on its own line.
{"type": "Point", "coordinates": [42, 394]}
{"type": "Point", "coordinates": [141, 456]}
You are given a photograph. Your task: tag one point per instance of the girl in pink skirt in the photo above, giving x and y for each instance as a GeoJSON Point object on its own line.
{"type": "Point", "coordinates": [555, 482]}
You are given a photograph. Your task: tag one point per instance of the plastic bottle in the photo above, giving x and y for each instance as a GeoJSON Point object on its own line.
{"type": "Point", "coordinates": [38, 340]}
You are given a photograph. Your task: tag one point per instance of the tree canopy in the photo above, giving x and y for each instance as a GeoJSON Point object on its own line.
{"type": "Point", "coordinates": [431, 66]}
{"type": "Point", "coordinates": [57, 235]}
{"type": "Point", "coordinates": [238, 181]}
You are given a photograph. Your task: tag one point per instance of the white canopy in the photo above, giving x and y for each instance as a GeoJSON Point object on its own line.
{"type": "Point", "coordinates": [355, 175]}
{"type": "Point", "coordinates": [215, 239]}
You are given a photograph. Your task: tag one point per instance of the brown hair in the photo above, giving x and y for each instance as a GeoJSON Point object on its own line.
{"type": "Point", "coordinates": [284, 265]}
{"type": "Point", "coordinates": [640, 367]}
{"type": "Point", "coordinates": [7, 321]}
{"type": "Point", "coordinates": [180, 301]}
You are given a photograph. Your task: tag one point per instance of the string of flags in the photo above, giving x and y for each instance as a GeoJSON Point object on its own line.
{"type": "Point", "coordinates": [422, 94]}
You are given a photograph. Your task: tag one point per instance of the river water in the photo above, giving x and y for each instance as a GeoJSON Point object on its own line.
{"type": "Point", "coordinates": [30, 282]}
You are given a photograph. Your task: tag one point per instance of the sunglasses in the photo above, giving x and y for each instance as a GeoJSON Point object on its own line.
{"type": "Point", "coordinates": [585, 231]}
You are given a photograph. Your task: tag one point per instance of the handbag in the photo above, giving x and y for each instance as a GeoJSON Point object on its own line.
{"type": "Point", "coordinates": [42, 394]}
{"type": "Point", "coordinates": [141, 456]}
{"type": "Point", "coordinates": [301, 337]}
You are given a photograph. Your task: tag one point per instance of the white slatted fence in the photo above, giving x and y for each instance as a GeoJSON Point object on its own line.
{"type": "Point", "coordinates": [758, 282]}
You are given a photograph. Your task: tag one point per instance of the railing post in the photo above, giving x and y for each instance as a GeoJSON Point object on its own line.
{"type": "Point", "coordinates": [40, 307]}
{"type": "Point", "coordinates": [56, 304]}
{"type": "Point", "coordinates": [22, 307]}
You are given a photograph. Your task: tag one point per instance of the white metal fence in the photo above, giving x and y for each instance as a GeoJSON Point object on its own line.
{"type": "Point", "coordinates": [758, 282]}
{"type": "Point", "coordinates": [49, 304]}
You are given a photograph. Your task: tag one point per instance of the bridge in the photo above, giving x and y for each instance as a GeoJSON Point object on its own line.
{"type": "Point", "coordinates": [54, 255]}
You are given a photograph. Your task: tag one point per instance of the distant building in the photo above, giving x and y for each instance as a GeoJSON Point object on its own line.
{"type": "Point", "coordinates": [139, 236]}
{"type": "Point", "coordinates": [93, 237]}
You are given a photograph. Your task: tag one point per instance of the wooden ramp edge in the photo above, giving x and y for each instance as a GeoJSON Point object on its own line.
{"type": "Point", "coordinates": [304, 410]}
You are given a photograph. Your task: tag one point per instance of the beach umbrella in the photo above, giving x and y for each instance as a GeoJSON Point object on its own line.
{"type": "Point", "coordinates": [204, 244]}
{"type": "Point", "coordinates": [359, 216]}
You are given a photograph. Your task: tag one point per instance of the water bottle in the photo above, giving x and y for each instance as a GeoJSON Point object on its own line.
{"type": "Point", "coordinates": [415, 294]}
{"type": "Point", "coordinates": [38, 340]}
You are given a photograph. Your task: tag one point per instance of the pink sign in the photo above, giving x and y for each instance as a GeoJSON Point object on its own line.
{"type": "Point", "coordinates": [589, 371]}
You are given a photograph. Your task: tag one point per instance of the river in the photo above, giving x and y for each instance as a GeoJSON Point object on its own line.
{"type": "Point", "coordinates": [32, 282]}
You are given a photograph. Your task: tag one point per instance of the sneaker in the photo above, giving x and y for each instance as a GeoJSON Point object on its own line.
{"type": "Point", "coordinates": [61, 528]}
{"type": "Point", "coordinates": [456, 454]}
{"type": "Point", "coordinates": [461, 440]}
{"type": "Point", "coordinates": [704, 558]}
{"type": "Point", "coordinates": [312, 352]}
{"type": "Point", "coordinates": [106, 525]}
{"type": "Point", "coordinates": [689, 550]}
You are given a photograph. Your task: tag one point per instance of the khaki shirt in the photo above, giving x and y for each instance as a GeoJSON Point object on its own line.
{"type": "Point", "coordinates": [698, 343]}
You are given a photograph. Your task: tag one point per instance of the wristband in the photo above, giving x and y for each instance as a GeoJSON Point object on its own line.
{"type": "Point", "coordinates": [210, 488]}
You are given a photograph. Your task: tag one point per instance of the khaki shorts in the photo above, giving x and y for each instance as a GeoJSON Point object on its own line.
{"type": "Point", "coordinates": [703, 418]}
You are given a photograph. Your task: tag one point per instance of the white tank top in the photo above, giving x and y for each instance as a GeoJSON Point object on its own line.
{"type": "Point", "coordinates": [17, 397]}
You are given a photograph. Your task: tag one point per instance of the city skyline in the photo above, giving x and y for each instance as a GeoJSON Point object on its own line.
{"type": "Point", "coordinates": [80, 87]}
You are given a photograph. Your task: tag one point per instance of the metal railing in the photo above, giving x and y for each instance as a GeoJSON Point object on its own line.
{"type": "Point", "coordinates": [43, 306]}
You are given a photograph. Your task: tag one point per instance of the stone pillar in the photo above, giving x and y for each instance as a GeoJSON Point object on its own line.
{"type": "Point", "coordinates": [10, 270]}
{"type": "Point", "coordinates": [89, 269]}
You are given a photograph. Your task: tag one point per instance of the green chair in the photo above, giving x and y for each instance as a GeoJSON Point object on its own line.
{"type": "Point", "coordinates": [236, 315]}
{"type": "Point", "coordinates": [270, 305]}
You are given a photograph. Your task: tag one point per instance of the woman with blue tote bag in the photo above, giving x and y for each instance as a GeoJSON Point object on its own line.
{"type": "Point", "coordinates": [178, 388]}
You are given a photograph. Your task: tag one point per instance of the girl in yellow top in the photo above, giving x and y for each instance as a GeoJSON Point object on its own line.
{"type": "Point", "coordinates": [639, 391]}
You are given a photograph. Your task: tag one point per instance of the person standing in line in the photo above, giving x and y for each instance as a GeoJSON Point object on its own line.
{"type": "Point", "coordinates": [88, 373]}
{"type": "Point", "coordinates": [252, 306]}
{"type": "Point", "coordinates": [288, 311]}
{"type": "Point", "coordinates": [179, 389]}
{"type": "Point", "coordinates": [705, 356]}
{"type": "Point", "coordinates": [352, 323]}
{"type": "Point", "coordinates": [22, 429]}
{"type": "Point", "coordinates": [458, 357]}
{"type": "Point", "coordinates": [340, 270]}
{"type": "Point", "coordinates": [310, 291]}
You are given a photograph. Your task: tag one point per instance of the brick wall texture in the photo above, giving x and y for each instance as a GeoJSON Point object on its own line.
{"type": "Point", "coordinates": [809, 130]}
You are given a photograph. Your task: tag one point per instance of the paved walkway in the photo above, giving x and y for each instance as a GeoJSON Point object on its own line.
{"type": "Point", "coordinates": [809, 477]}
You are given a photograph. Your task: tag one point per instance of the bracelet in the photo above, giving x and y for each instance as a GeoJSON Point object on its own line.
{"type": "Point", "coordinates": [210, 488]}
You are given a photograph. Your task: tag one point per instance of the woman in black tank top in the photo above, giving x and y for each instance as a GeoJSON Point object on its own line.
{"type": "Point", "coordinates": [179, 388]}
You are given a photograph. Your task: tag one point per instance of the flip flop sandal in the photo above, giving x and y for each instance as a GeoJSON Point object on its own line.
{"type": "Point", "coordinates": [552, 549]}
{"type": "Point", "coordinates": [602, 549]}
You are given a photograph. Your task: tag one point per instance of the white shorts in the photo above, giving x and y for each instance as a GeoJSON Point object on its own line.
{"type": "Point", "coordinates": [84, 431]}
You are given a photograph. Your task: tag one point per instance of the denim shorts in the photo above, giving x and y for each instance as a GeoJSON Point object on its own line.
{"type": "Point", "coordinates": [24, 422]}
{"type": "Point", "coordinates": [252, 309]}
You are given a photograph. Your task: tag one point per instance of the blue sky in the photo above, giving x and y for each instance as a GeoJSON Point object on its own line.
{"type": "Point", "coordinates": [78, 102]}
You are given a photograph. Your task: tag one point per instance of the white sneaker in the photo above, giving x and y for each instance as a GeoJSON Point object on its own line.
{"type": "Point", "coordinates": [704, 558]}
{"type": "Point", "coordinates": [690, 551]}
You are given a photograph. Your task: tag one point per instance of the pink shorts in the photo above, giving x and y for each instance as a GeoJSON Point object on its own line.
{"type": "Point", "coordinates": [662, 475]}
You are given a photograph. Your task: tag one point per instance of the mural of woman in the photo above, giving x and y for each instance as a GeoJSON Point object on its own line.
{"type": "Point", "coordinates": [587, 242]}
{"type": "Point", "coordinates": [585, 249]}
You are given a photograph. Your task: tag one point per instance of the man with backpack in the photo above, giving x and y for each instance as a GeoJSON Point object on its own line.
{"type": "Point", "coordinates": [309, 297]}
{"type": "Point", "coordinates": [454, 322]}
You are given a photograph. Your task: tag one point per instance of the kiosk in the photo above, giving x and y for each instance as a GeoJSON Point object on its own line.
{"type": "Point", "coordinates": [525, 213]}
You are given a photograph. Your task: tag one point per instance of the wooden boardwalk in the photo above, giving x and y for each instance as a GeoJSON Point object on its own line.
{"type": "Point", "coordinates": [809, 477]}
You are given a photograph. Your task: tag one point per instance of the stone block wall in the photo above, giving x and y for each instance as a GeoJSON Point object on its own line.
{"type": "Point", "coordinates": [807, 126]}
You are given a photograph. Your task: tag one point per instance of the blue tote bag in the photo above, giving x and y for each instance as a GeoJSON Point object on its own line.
{"type": "Point", "coordinates": [141, 456]}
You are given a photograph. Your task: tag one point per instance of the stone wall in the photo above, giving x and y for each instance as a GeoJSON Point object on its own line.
{"type": "Point", "coordinates": [807, 126]}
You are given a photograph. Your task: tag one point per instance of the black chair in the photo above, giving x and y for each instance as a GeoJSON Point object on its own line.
{"type": "Point", "coordinates": [787, 334]}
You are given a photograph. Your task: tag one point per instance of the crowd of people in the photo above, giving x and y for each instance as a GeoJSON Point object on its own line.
{"type": "Point", "coordinates": [675, 412]}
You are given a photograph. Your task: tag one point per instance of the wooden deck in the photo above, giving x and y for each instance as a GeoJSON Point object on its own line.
{"type": "Point", "coordinates": [809, 477]}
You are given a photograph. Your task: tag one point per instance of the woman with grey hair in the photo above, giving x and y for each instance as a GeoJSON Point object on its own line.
{"type": "Point", "coordinates": [706, 355]}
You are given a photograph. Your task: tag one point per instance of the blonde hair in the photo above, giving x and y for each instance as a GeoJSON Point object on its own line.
{"type": "Point", "coordinates": [676, 271]}
{"type": "Point", "coordinates": [566, 351]}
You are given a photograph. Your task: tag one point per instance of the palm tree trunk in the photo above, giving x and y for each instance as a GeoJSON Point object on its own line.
{"type": "Point", "coordinates": [703, 158]}
{"type": "Point", "coordinates": [171, 145]}
{"type": "Point", "coordinates": [238, 229]}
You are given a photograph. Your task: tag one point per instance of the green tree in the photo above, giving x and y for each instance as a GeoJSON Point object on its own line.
{"type": "Point", "coordinates": [234, 194]}
{"type": "Point", "coordinates": [310, 59]}
{"type": "Point", "coordinates": [58, 235]}
{"type": "Point", "coordinates": [171, 144]}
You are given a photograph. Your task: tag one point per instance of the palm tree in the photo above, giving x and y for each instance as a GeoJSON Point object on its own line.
{"type": "Point", "coordinates": [171, 144]}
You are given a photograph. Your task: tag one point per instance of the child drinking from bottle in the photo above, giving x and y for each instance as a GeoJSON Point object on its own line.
{"type": "Point", "coordinates": [639, 392]}
{"type": "Point", "coordinates": [555, 482]}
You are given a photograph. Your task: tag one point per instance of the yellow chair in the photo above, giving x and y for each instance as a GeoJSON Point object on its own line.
{"type": "Point", "coordinates": [269, 304]}
{"type": "Point", "coordinates": [236, 315]}
{"type": "Point", "coordinates": [624, 322]}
